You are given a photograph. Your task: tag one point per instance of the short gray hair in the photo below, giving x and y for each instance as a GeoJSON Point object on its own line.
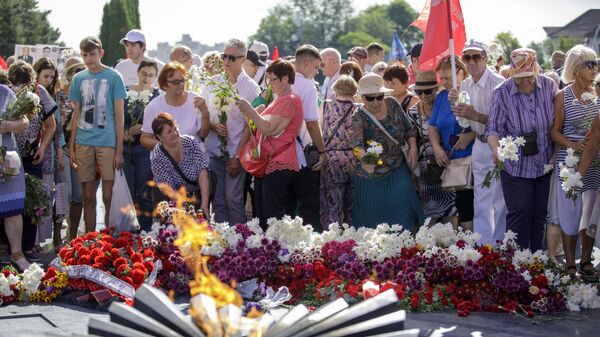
{"type": "Point", "coordinates": [576, 56]}
{"type": "Point", "coordinates": [184, 49]}
{"type": "Point", "coordinates": [333, 52]}
{"type": "Point", "coordinates": [379, 67]}
{"type": "Point", "coordinates": [237, 44]}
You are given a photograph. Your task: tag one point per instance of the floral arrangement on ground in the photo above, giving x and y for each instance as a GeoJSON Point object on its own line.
{"type": "Point", "coordinates": [436, 268]}
{"type": "Point", "coordinates": [33, 285]}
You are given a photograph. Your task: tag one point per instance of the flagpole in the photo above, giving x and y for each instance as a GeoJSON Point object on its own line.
{"type": "Point", "coordinates": [452, 56]}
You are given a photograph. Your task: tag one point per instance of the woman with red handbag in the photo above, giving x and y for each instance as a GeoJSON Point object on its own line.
{"type": "Point", "coordinates": [276, 130]}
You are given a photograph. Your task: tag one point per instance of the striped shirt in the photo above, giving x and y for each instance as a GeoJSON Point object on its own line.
{"type": "Point", "coordinates": [516, 114]}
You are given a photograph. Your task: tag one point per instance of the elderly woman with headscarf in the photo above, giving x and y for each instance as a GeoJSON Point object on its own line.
{"type": "Point", "coordinates": [383, 192]}
{"type": "Point", "coordinates": [575, 107]}
{"type": "Point", "coordinates": [523, 106]}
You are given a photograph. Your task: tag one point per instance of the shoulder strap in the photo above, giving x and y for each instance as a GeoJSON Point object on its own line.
{"type": "Point", "coordinates": [379, 125]}
{"type": "Point", "coordinates": [339, 124]}
{"type": "Point", "coordinates": [405, 102]}
{"type": "Point", "coordinates": [454, 146]}
{"type": "Point", "coordinates": [177, 167]}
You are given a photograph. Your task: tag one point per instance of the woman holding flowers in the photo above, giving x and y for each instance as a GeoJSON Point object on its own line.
{"type": "Point", "coordinates": [136, 158]}
{"type": "Point", "coordinates": [575, 107]}
{"type": "Point", "coordinates": [12, 198]}
{"type": "Point", "coordinates": [278, 124]}
{"type": "Point", "coordinates": [383, 190]}
{"type": "Point", "coordinates": [523, 106]}
{"type": "Point", "coordinates": [35, 140]}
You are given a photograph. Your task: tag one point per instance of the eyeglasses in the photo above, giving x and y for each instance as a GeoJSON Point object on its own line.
{"type": "Point", "coordinates": [475, 57]}
{"type": "Point", "coordinates": [372, 98]}
{"type": "Point", "coordinates": [176, 82]}
{"type": "Point", "coordinates": [590, 64]}
{"type": "Point", "coordinates": [231, 58]}
{"type": "Point", "coordinates": [423, 92]}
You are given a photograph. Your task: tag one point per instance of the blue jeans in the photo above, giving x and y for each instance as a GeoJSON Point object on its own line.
{"type": "Point", "coordinates": [137, 172]}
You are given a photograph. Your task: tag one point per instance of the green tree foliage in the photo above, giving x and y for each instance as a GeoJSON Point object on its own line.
{"type": "Point", "coordinates": [508, 42]}
{"type": "Point", "coordinates": [118, 17]}
{"type": "Point", "coordinates": [22, 22]}
{"type": "Point", "coordinates": [331, 24]}
{"type": "Point", "coordinates": [539, 50]}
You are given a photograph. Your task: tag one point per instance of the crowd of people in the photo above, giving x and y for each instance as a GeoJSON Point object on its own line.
{"type": "Point", "coordinates": [372, 143]}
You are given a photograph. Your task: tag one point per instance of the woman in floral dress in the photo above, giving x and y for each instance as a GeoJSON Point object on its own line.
{"type": "Point", "coordinates": [338, 134]}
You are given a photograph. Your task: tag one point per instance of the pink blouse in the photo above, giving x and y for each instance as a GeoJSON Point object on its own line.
{"type": "Point", "coordinates": [287, 106]}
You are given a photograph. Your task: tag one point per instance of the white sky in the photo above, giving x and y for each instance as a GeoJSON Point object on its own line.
{"type": "Point", "coordinates": [218, 20]}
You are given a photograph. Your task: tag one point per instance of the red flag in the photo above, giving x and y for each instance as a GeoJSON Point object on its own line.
{"type": "Point", "coordinates": [3, 64]}
{"type": "Point", "coordinates": [421, 21]}
{"type": "Point", "coordinates": [443, 15]}
{"type": "Point", "coordinates": [275, 54]}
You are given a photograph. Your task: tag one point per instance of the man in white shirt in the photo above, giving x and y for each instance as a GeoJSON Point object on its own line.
{"type": "Point", "coordinates": [262, 50]}
{"type": "Point", "coordinates": [489, 207]}
{"type": "Point", "coordinates": [305, 184]}
{"type": "Point", "coordinates": [376, 54]}
{"type": "Point", "coordinates": [135, 48]}
{"type": "Point", "coordinates": [228, 176]}
{"type": "Point", "coordinates": [332, 61]}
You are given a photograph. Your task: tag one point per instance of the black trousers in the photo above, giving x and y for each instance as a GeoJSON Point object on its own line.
{"type": "Point", "coordinates": [271, 195]}
{"type": "Point", "coordinates": [29, 228]}
{"type": "Point", "coordinates": [304, 197]}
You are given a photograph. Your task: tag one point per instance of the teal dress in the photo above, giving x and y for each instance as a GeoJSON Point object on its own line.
{"type": "Point", "coordinates": [12, 189]}
{"type": "Point", "coordinates": [388, 194]}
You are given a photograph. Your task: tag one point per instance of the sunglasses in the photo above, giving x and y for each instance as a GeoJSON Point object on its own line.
{"type": "Point", "coordinates": [231, 58]}
{"type": "Point", "coordinates": [590, 64]}
{"type": "Point", "coordinates": [176, 82]}
{"type": "Point", "coordinates": [372, 98]}
{"type": "Point", "coordinates": [423, 92]}
{"type": "Point", "coordinates": [475, 57]}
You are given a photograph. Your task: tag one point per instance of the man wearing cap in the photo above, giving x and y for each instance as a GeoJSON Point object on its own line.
{"type": "Point", "coordinates": [262, 50]}
{"type": "Point", "coordinates": [332, 61]}
{"type": "Point", "coordinates": [413, 67]}
{"type": "Point", "coordinates": [557, 61]}
{"type": "Point", "coordinates": [359, 55]}
{"type": "Point", "coordinates": [135, 48]}
{"type": "Point", "coordinates": [252, 65]}
{"type": "Point", "coordinates": [489, 208]}
{"type": "Point", "coordinates": [523, 106]}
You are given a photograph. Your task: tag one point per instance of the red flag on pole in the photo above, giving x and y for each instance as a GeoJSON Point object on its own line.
{"type": "Point", "coordinates": [421, 21]}
{"type": "Point", "coordinates": [443, 15]}
{"type": "Point", "coordinates": [275, 54]}
{"type": "Point", "coordinates": [3, 64]}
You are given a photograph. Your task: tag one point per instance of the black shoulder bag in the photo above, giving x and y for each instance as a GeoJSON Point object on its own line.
{"type": "Point", "coordinates": [177, 167]}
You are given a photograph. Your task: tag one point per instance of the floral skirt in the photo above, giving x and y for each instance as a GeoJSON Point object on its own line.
{"type": "Point", "coordinates": [390, 199]}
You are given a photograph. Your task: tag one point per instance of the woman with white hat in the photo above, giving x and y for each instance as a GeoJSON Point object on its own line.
{"type": "Point", "coordinates": [384, 193]}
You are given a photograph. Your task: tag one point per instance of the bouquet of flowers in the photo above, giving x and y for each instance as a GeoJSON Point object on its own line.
{"type": "Point", "coordinates": [9, 285]}
{"type": "Point", "coordinates": [372, 155]}
{"type": "Point", "coordinates": [123, 256]}
{"type": "Point", "coordinates": [137, 102]}
{"type": "Point", "coordinates": [26, 104]}
{"type": "Point", "coordinates": [507, 150]}
{"type": "Point", "coordinates": [40, 286]}
{"type": "Point", "coordinates": [570, 178]}
{"type": "Point", "coordinates": [37, 201]}
{"type": "Point", "coordinates": [226, 95]}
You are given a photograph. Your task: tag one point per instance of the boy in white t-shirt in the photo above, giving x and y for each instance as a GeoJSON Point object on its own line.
{"type": "Point", "coordinates": [135, 48]}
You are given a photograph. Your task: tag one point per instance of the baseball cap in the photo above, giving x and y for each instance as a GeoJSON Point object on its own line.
{"type": "Point", "coordinates": [134, 35]}
{"type": "Point", "coordinates": [259, 48]}
{"type": "Point", "coordinates": [253, 57]}
{"type": "Point", "coordinates": [476, 45]}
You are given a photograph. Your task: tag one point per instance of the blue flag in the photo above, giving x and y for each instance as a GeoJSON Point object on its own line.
{"type": "Point", "coordinates": [398, 51]}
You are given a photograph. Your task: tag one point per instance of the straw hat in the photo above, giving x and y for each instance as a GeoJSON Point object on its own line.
{"type": "Point", "coordinates": [371, 84]}
{"type": "Point", "coordinates": [426, 80]}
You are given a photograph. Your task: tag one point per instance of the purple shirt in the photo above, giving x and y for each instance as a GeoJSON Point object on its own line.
{"type": "Point", "coordinates": [515, 114]}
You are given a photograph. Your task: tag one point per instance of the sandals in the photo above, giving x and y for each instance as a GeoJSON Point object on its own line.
{"type": "Point", "coordinates": [589, 274]}
{"type": "Point", "coordinates": [19, 261]}
{"type": "Point", "coordinates": [572, 275]}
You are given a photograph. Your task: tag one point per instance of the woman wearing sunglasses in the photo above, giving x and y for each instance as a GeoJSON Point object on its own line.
{"type": "Point", "coordinates": [436, 202]}
{"type": "Point", "coordinates": [575, 107]}
{"type": "Point", "coordinates": [384, 193]}
{"type": "Point", "coordinates": [448, 139]}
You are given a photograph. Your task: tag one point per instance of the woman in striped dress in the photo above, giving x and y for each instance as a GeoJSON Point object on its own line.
{"type": "Point", "coordinates": [575, 108]}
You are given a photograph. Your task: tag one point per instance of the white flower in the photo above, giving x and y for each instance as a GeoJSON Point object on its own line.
{"type": "Point", "coordinates": [508, 148]}
{"type": "Point", "coordinates": [571, 159]}
{"type": "Point", "coordinates": [254, 226]}
{"type": "Point", "coordinates": [6, 283]}
{"type": "Point", "coordinates": [526, 275]}
{"type": "Point", "coordinates": [548, 168]}
{"type": "Point", "coordinates": [582, 296]}
{"type": "Point", "coordinates": [33, 97]}
{"type": "Point", "coordinates": [254, 241]}
{"type": "Point", "coordinates": [464, 254]}
{"type": "Point", "coordinates": [31, 279]}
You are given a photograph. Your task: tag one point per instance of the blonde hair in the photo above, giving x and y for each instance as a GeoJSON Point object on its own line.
{"type": "Point", "coordinates": [576, 56]}
{"type": "Point", "coordinates": [345, 86]}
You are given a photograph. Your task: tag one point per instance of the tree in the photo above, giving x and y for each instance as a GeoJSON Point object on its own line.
{"type": "Point", "coordinates": [402, 14]}
{"type": "Point", "coordinates": [118, 17]}
{"type": "Point", "coordinates": [21, 22]}
{"type": "Point", "coordinates": [508, 42]}
{"type": "Point", "coordinates": [349, 40]}
{"type": "Point", "coordinates": [539, 50]}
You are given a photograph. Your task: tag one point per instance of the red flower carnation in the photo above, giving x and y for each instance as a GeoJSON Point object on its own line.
{"type": "Point", "coordinates": [120, 261]}
{"type": "Point", "coordinates": [138, 276]}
